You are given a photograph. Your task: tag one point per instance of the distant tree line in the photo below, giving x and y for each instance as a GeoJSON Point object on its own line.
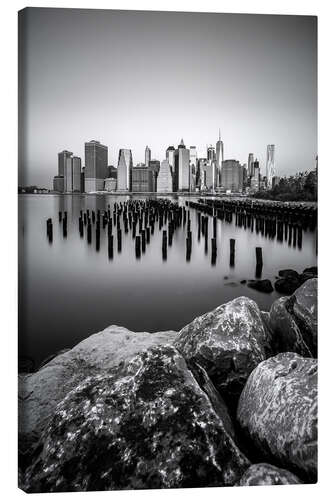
{"type": "Point", "coordinates": [299, 187]}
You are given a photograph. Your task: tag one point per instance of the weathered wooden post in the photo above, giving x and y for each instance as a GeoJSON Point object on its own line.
{"type": "Point", "coordinates": [143, 240]}
{"type": "Point", "coordinates": [49, 230]}
{"type": "Point", "coordinates": [98, 235]}
{"type": "Point", "coordinates": [137, 247]}
{"type": "Point", "coordinates": [64, 227]}
{"type": "Point", "coordinates": [88, 232]}
{"type": "Point", "coordinates": [214, 251]}
{"type": "Point", "coordinates": [110, 245]}
{"type": "Point", "coordinates": [119, 240]}
{"type": "Point", "coordinates": [232, 252]}
{"type": "Point", "coordinates": [259, 262]}
{"type": "Point", "coordinates": [164, 244]}
{"type": "Point", "coordinates": [214, 226]}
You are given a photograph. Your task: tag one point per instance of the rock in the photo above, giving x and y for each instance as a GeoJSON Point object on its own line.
{"type": "Point", "coordinates": [146, 424]}
{"type": "Point", "coordinates": [304, 307]}
{"type": "Point", "coordinates": [40, 392]}
{"type": "Point", "coordinates": [312, 270]}
{"type": "Point", "coordinates": [308, 274]}
{"type": "Point", "coordinates": [277, 412]}
{"type": "Point", "coordinates": [264, 286]}
{"type": "Point", "coordinates": [266, 475]}
{"type": "Point", "coordinates": [293, 321]}
{"type": "Point", "coordinates": [287, 286]}
{"type": "Point", "coordinates": [289, 273]}
{"type": "Point", "coordinates": [228, 342]}
{"type": "Point", "coordinates": [287, 336]}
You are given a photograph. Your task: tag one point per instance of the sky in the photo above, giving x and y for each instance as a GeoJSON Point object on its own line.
{"type": "Point", "coordinates": [131, 79]}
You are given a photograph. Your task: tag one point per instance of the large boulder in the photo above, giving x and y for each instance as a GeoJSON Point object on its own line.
{"type": "Point", "coordinates": [40, 392]}
{"type": "Point", "coordinates": [293, 321]}
{"type": "Point", "coordinates": [146, 424]}
{"type": "Point", "coordinates": [267, 475]}
{"type": "Point", "coordinates": [229, 342]}
{"type": "Point", "coordinates": [277, 412]}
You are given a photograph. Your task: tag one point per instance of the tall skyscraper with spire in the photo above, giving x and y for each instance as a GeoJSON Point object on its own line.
{"type": "Point", "coordinates": [219, 158]}
{"type": "Point", "coordinates": [147, 156]}
{"type": "Point", "coordinates": [270, 164]}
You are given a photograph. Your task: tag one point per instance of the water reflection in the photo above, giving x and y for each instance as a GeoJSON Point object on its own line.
{"type": "Point", "coordinates": [143, 269]}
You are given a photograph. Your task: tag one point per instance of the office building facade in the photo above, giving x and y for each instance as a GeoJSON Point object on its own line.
{"type": "Point", "coordinates": [270, 164]}
{"type": "Point", "coordinates": [154, 166]}
{"type": "Point", "coordinates": [183, 167]}
{"type": "Point", "coordinates": [142, 180]}
{"type": "Point", "coordinates": [124, 170]}
{"type": "Point", "coordinates": [250, 165]}
{"type": "Point", "coordinates": [110, 184]}
{"type": "Point", "coordinates": [232, 176]}
{"type": "Point", "coordinates": [58, 183]}
{"type": "Point", "coordinates": [255, 179]}
{"type": "Point", "coordinates": [164, 178]}
{"type": "Point", "coordinates": [76, 174]}
{"type": "Point", "coordinates": [62, 157]}
{"type": "Point", "coordinates": [96, 163]}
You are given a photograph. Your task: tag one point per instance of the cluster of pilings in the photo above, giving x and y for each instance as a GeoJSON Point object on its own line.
{"type": "Point", "coordinates": [137, 217]}
{"type": "Point", "coordinates": [141, 219]}
{"type": "Point", "coordinates": [282, 221]}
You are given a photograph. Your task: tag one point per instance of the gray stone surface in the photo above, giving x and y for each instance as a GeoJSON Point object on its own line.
{"type": "Point", "coordinates": [40, 392]}
{"type": "Point", "coordinates": [267, 475]}
{"type": "Point", "coordinates": [229, 342]}
{"type": "Point", "coordinates": [293, 321]}
{"type": "Point", "coordinates": [277, 411]}
{"type": "Point", "coordinates": [147, 424]}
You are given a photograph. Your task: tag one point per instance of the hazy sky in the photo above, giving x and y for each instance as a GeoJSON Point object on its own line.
{"type": "Point", "coordinates": [129, 78]}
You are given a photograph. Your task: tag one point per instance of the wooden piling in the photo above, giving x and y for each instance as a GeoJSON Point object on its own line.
{"type": "Point", "coordinates": [232, 252]}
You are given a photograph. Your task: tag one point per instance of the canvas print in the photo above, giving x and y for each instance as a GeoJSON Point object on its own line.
{"type": "Point", "coordinates": [167, 237]}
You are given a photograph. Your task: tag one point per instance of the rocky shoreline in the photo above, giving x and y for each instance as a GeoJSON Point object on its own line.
{"type": "Point", "coordinates": [229, 400]}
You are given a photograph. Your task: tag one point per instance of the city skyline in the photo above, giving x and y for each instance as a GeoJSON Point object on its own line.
{"type": "Point", "coordinates": [162, 76]}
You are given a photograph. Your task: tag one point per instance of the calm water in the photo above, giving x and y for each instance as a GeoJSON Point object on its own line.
{"type": "Point", "coordinates": [68, 291]}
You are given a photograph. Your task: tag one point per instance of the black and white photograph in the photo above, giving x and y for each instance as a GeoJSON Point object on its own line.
{"type": "Point", "coordinates": [167, 250]}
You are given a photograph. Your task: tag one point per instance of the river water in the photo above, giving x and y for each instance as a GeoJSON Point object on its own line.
{"type": "Point", "coordinates": [68, 290]}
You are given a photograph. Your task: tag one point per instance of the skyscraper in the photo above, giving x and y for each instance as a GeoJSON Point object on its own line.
{"type": "Point", "coordinates": [154, 166]}
{"type": "Point", "coordinates": [171, 157]}
{"type": "Point", "coordinates": [183, 158]}
{"type": "Point", "coordinates": [193, 167]}
{"type": "Point", "coordinates": [270, 167]}
{"type": "Point", "coordinates": [76, 170]}
{"type": "Point", "coordinates": [124, 170]}
{"type": "Point", "coordinates": [147, 156]}
{"type": "Point", "coordinates": [96, 163]}
{"type": "Point", "coordinates": [164, 179]}
{"type": "Point", "coordinates": [207, 170]}
{"type": "Point", "coordinates": [211, 155]}
{"type": "Point", "coordinates": [249, 165]}
{"type": "Point", "coordinates": [255, 179]}
{"type": "Point", "coordinates": [68, 175]}
{"type": "Point", "coordinates": [62, 161]}
{"type": "Point", "coordinates": [219, 158]}
{"type": "Point", "coordinates": [142, 180]}
{"type": "Point", "coordinates": [232, 176]}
